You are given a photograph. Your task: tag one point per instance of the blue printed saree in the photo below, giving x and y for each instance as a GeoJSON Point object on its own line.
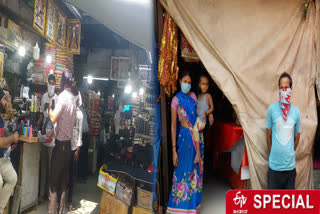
{"type": "Point", "coordinates": [185, 196]}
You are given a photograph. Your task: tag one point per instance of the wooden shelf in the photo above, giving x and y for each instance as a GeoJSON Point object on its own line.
{"type": "Point", "coordinates": [144, 136]}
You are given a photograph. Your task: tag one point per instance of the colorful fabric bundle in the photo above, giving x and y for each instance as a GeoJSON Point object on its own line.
{"type": "Point", "coordinates": [64, 61]}
{"type": "Point", "coordinates": [168, 67]}
{"type": "Point", "coordinates": [50, 51]}
{"type": "Point", "coordinates": [37, 71]}
{"type": "Point", "coordinates": [94, 114]}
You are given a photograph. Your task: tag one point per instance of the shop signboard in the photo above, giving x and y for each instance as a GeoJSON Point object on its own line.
{"type": "Point", "coordinates": [14, 36]}
{"type": "Point", "coordinates": [120, 68]}
{"type": "Point", "coordinates": [61, 29]}
{"type": "Point", "coordinates": [51, 24]}
{"type": "Point", "coordinates": [74, 36]}
{"type": "Point", "coordinates": [39, 16]}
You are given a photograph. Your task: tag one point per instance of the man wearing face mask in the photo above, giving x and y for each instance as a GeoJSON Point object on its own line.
{"type": "Point", "coordinates": [283, 134]}
{"type": "Point", "coordinates": [48, 130]}
{"type": "Point", "coordinates": [46, 98]}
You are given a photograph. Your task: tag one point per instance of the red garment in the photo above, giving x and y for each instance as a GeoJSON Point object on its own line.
{"type": "Point", "coordinates": [285, 95]}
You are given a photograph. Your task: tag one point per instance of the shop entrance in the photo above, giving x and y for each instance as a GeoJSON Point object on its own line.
{"type": "Point", "coordinates": [316, 149]}
{"type": "Point", "coordinates": [224, 144]}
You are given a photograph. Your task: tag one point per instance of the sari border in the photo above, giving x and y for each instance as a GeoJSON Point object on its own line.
{"type": "Point", "coordinates": [179, 211]}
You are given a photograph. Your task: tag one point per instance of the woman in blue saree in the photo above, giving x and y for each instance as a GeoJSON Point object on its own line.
{"type": "Point", "coordinates": [185, 196]}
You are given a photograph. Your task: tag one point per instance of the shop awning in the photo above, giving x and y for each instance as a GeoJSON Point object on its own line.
{"type": "Point", "coordinates": [131, 19]}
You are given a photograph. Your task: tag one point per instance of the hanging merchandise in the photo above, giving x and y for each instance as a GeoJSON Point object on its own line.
{"type": "Point", "coordinates": [168, 66]}
{"type": "Point", "coordinates": [36, 52]}
{"type": "Point", "coordinates": [64, 63]}
{"type": "Point", "coordinates": [50, 60]}
{"type": "Point", "coordinates": [187, 52]}
{"type": "Point", "coordinates": [37, 75]}
{"type": "Point", "coordinates": [94, 114]}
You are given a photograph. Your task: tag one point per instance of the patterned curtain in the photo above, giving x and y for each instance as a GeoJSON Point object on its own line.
{"type": "Point", "coordinates": [168, 68]}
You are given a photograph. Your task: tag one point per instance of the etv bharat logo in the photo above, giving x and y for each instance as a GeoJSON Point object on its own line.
{"type": "Point", "coordinates": [240, 200]}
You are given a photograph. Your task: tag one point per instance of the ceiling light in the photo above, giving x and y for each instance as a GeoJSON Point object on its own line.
{"type": "Point", "coordinates": [22, 51]}
{"type": "Point", "coordinates": [96, 78]}
{"type": "Point", "coordinates": [128, 89]}
{"type": "Point", "coordinates": [141, 91]}
{"type": "Point", "coordinates": [90, 79]}
{"type": "Point", "coordinates": [48, 59]}
{"type": "Point", "coordinates": [134, 94]}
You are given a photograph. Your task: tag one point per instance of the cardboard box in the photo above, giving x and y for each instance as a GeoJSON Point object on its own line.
{"type": "Point", "coordinates": [106, 181]}
{"type": "Point", "coordinates": [125, 189]}
{"type": "Point", "coordinates": [110, 205]}
{"type": "Point", "coordinates": [144, 198]}
{"type": "Point", "coordinates": [139, 210]}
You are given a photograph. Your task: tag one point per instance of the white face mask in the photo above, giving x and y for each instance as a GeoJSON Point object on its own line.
{"type": "Point", "coordinates": [51, 90]}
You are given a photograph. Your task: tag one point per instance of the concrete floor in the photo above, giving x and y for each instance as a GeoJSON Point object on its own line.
{"type": "Point", "coordinates": [86, 199]}
{"type": "Point", "coordinates": [213, 195]}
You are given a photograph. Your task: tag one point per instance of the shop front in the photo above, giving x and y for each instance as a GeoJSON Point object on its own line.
{"type": "Point", "coordinates": [116, 81]}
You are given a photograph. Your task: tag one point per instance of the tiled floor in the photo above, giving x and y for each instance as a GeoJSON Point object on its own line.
{"type": "Point", "coordinates": [86, 199]}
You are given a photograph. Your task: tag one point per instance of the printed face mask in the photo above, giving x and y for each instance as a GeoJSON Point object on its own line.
{"type": "Point", "coordinates": [285, 95]}
{"type": "Point", "coordinates": [51, 90]}
{"type": "Point", "coordinates": [185, 88]}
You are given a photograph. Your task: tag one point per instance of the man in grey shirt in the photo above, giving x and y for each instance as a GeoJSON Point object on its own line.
{"type": "Point", "coordinates": [64, 115]}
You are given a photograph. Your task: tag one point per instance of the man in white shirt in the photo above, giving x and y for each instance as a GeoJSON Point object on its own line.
{"type": "Point", "coordinates": [48, 130]}
{"type": "Point", "coordinates": [76, 143]}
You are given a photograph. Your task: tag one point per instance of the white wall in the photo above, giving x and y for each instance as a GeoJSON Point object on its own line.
{"type": "Point", "coordinates": [132, 19]}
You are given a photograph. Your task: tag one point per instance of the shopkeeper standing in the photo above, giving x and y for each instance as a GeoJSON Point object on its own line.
{"type": "Point", "coordinates": [48, 130]}
{"type": "Point", "coordinates": [64, 115]}
{"type": "Point", "coordinates": [8, 176]}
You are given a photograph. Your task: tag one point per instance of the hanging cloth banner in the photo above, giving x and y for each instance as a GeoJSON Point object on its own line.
{"type": "Point", "coordinates": [168, 68]}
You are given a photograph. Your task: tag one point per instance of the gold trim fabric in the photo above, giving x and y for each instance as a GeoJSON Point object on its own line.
{"type": "Point", "coordinates": [168, 68]}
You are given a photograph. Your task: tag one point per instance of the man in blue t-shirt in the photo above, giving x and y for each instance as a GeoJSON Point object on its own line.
{"type": "Point", "coordinates": [283, 133]}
